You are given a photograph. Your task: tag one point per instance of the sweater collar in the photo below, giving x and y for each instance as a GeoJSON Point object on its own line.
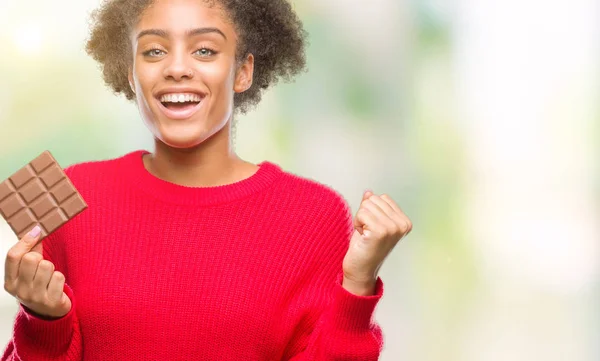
{"type": "Point", "coordinates": [132, 167]}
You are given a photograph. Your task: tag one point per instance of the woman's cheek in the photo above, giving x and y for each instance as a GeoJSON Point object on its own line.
{"type": "Point", "coordinates": [148, 75]}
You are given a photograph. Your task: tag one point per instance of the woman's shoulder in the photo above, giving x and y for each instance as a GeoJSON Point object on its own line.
{"type": "Point", "coordinates": [90, 168]}
{"type": "Point", "coordinates": [321, 194]}
{"type": "Point", "coordinates": [98, 173]}
{"type": "Point", "coordinates": [318, 208]}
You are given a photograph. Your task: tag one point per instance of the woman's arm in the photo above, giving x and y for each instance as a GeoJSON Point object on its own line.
{"type": "Point", "coordinates": [331, 321]}
{"type": "Point", "coordinates": [345, 330]}
{"type": "Point", "coordinates": [38, 338]}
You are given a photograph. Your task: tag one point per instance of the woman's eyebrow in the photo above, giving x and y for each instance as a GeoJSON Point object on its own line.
{"type": "Point", "coordinates": [188, 33]}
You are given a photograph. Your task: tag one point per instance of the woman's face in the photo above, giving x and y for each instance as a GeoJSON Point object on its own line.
{"type": "Point", "coordinates": [184, 70]}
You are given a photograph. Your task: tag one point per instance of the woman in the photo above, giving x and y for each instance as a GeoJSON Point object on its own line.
{"type": "Point", "coordinates": [189, 252]}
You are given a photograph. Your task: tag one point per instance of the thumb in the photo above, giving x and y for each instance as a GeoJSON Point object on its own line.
{"type": "Point", "coordinates": [357, 236]}
{"type": "Point", "coordinates": [357, 224]}
{"type": "Point", "coordinates": [38, 248]}
{"type": "Point", "coordinates": [31, 238]}
{"type": "Point", "coordinates": [65, 302]}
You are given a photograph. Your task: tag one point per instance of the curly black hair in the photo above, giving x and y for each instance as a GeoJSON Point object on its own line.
{"type": "Point", "coordinates": [268, 29]}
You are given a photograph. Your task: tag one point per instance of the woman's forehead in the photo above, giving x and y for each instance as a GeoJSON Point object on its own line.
{"type": "Point", "coordinates": [178, 17]}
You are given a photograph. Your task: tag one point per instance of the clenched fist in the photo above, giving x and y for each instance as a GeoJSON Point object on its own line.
{"type": "Point", "coordinates": [33, 281]}
{"type": "Point", "coordinates": [379, 225]}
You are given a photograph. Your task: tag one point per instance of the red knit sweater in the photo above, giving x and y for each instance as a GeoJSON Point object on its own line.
{"type": "Point", "coordinates": [244, 271]}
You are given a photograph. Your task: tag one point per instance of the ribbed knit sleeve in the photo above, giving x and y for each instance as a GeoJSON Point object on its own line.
{"type": "Point", "coordinates": [38, 339]}
{"type": "Point", "coordinates": [345, 329]}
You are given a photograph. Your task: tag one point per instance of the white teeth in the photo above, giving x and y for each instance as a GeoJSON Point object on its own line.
{"type": "Point", "coordinates": [180, 98]}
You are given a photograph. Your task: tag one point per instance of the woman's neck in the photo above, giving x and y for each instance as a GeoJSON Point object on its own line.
{"type": "Point", "coordinates": [205, 165]}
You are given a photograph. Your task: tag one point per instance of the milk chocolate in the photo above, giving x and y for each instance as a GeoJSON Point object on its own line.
{"type": "Point", "coordinates": [39, 193]}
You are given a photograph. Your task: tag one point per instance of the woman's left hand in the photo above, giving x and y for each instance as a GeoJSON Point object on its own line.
{"type": "Point", "coordinates": [379, 225]}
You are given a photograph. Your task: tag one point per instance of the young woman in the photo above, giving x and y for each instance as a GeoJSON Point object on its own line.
{"type": "Point", "coordinates": [189, 252]}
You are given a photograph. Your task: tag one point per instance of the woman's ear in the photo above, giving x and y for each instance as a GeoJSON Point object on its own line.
{"type": "Point", "coordinates": [243, 78]}
{"type": "Point", "coordinates": [130, 78]}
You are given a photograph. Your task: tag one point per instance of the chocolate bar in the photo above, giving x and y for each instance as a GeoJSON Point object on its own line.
{"type": "Point", "coordinates": [39, 193]}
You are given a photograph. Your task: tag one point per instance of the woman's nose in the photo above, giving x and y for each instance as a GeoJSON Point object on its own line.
{"type": "Point", "coordinates": [179, 67]}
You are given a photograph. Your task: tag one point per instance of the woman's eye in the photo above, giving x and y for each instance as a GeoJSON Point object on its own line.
{"type": "Point", "coordinates": [205, 52]}
{"type": "Point", "coordinates": [153, 52]}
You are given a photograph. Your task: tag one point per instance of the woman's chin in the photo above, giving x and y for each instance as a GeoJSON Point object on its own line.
{"type": "Point", "coordinates": [181, 142]}
{"type": "Point", "coordinates": [179, 135]}
{"type": "Point", "coordinates": [177, 139]}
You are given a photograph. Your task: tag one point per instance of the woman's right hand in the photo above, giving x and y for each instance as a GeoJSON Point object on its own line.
{"type": "Point", "coordinates": [33, 281]}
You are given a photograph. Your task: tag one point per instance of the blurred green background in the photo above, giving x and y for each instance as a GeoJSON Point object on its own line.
{"type": "Point", "coordinates": [479, 118]}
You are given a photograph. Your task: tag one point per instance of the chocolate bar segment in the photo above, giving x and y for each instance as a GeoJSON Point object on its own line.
{"type": "Point", "coordinates": [39, 193]}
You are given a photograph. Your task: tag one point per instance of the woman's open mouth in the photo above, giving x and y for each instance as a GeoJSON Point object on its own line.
{"type": "Point", "coordinates": [179, 107]}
